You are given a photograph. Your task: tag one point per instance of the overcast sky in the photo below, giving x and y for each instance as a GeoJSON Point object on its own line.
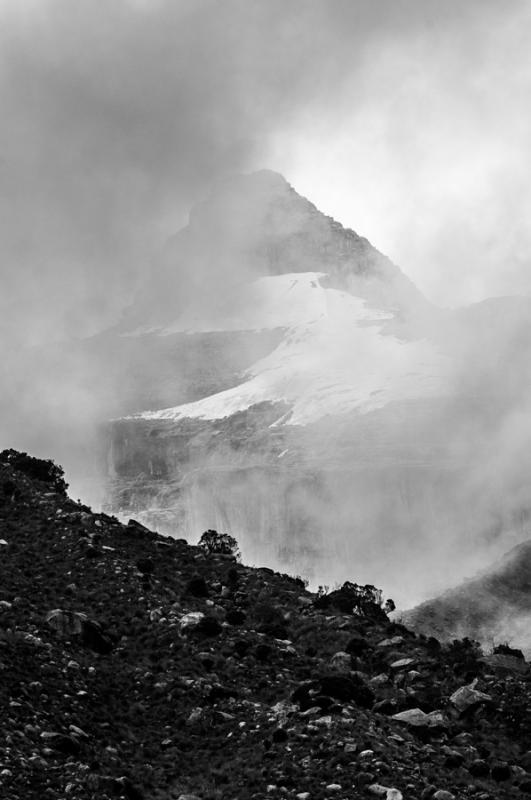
{"type": "Point", "coordinates": [408, 120]}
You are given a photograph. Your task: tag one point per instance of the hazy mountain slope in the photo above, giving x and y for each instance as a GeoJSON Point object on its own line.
{"type": "Point", "coordinates": [494, 606]}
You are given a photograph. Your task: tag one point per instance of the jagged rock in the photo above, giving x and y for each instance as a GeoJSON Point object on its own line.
{"type": "Point", "coordinates": [190, 621]}
{"type": "Point", "coordinates": [468, 698]}
{"type": "Point", "coordinates": [416, 718]}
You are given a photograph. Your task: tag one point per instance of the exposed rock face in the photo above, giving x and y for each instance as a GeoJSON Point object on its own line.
{"type": "Point", "coordinates": [309, 498]}
{"type": "Point", "coordinates": [254, 226]}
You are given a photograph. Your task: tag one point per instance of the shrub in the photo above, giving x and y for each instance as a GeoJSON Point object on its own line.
{"type": "Point", "coordinates": [219, 543]}
{"type": "Point", "coordinates": [506, 650]}
{"type": "Point", "coordinates": [353, 598]}
{"type": "Point", "coordinates": [463, 655]}
{"type": "Point", "coordinates": [37, 468]}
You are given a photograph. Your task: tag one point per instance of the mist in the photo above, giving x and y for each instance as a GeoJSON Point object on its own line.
{"type": "Point", "coordinates": [407, 121]}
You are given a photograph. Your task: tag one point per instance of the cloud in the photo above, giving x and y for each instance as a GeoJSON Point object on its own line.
{"type": "Point", "coordinates": [426, 152]}
{"type": "Point", "coordinates": [406, 119]}
{"type": "Point", "coordinates": [116, 119]}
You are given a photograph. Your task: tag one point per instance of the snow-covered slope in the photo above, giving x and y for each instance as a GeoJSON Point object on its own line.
{"type": "Point", "coordinates": [335, 358]}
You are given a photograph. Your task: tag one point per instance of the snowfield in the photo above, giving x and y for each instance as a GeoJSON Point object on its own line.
{"type": "Point", "coordinates": [335, 356]}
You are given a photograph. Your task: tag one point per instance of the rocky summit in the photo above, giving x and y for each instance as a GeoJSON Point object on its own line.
{"type": "Point", "coordinates": [138, 666]}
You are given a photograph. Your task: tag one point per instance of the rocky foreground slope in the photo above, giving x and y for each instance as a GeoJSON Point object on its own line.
{"type": "Point", "coordinates": [138, 666]}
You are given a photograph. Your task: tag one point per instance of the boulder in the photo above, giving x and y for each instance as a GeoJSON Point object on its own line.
{"type": "Point", "coordinates": [394, 641]}
{"type": "Point", "coordinates": [190, 621]}
{"type": "Point", "coordinates": [416, 718]}
{"type": "Point", "coordinates": [467, 698]}
{"type": "Point", "coordinates": [402, 663]}
{"type": "Point", "coordinates": [384, 791]}
{"type": "Point", "coordinates": [65, 623]}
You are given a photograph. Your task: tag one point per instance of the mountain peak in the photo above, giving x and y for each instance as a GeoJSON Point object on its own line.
{"type": "Point", "coordinates": [245, 201]}
{"type": "Point", "coordinates": [256, 225]}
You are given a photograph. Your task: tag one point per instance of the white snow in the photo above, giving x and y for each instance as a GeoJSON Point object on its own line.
{"type": "Point", "coordinates": [334, 357]}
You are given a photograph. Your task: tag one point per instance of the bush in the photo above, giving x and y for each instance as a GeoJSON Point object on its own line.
{"type": "Point", "coordinates": [353, 598]}
{"type": "Point", "coordinates": [463, 655]}
{"type": "Point", "coordinates": [36, 468]}
{"type": "Point", "coordinates": [506, 650]}
{"type": "Point", "coordinates": [219, 543]}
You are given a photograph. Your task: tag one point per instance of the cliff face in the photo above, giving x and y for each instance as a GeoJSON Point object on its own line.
{"type": "Point", "coordinates": [381, 493]}
{"type": "Point", "coordinates": [254, 226]}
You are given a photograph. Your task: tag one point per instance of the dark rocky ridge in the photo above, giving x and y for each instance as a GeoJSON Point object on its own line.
{"type": "Point", "coordinates": [110, 689]}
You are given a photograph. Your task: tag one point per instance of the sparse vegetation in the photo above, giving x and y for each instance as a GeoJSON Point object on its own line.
{"type": "Point", "coordinates": [353, 598]}
{"type": "Point", "coordinates": [213, 542]}
{"type": "Point", "coordinates": [41, 469]}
